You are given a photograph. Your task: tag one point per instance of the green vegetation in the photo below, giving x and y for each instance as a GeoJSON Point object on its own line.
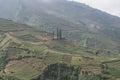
{"type": "Point", "coordinates": [87, 26]}
{"type": "Point", "coordinates": [28, 54]}
{"type": "Point", "coordinates": [28, 37]}
{"type": "Point", "coordinates": [38, 49]}
{"type": "Point", "coordinates": [61, 71]}
{"type": "Point", "coordinates": [3, 59]}
{"type": "Point", "coordinates": [76, 60]}
{"type": "Point", "coordinates": [59, 45]}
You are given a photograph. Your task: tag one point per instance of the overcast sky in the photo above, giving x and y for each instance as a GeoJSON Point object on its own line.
{"type": "Point", "coordinates": [110, 6]}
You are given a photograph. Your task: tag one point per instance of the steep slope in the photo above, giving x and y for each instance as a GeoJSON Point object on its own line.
{"type": "Point", "coordinates": [80, 23]}
{"type": "Point", "coordinates": [15, 56]}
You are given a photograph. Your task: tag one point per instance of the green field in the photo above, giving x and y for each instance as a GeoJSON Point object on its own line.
{"type": "Point", "coordinates": [25, 53]}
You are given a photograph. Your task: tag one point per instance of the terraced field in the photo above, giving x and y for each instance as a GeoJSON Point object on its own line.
{"type": "Point", "coordinates": [25, 53]}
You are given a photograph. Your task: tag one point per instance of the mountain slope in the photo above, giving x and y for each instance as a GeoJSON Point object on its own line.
{"type": "Point", "coordinates": [79, 22]}
{"type": "Point", "coordinates": [26, 53]}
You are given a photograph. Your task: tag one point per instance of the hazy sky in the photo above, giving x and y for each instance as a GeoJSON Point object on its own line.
{"type": "Point", "coordinates": [110, 6]}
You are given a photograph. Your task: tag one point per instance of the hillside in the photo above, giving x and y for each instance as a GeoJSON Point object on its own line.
{"type": "Point", "coordinates": [29, 54]}
{"type": "Point", "coordinates": [80, 23]}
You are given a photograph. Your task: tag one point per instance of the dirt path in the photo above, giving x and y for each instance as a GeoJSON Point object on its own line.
{"type": "Point", "coordinates": [13, 38]}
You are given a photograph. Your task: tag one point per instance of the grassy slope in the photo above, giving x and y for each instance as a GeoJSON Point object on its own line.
{"type": "Point", "coordinates": [36, 55]}
{"type": "Point", "coordinates": [78, 20]}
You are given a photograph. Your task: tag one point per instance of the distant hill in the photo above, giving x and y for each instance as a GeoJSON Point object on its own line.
{"type": "Point", "coordinates": [86, 26]}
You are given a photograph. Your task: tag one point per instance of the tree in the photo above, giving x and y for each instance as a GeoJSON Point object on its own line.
{"type": "Point", "coordinates": [53, 35]}
{"type": "Point", "coordinates": [59, 33]}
